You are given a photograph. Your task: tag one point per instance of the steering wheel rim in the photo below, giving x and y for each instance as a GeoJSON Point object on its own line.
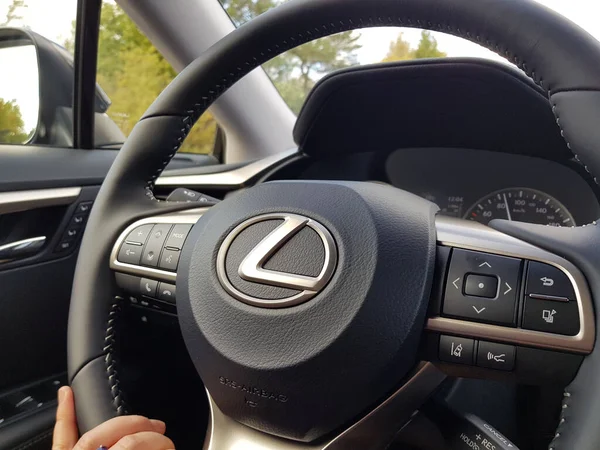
{"type": "Point", "coordinates": [557, 54]}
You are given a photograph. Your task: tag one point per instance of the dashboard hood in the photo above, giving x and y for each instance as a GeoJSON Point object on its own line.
{"type": "Point", "coordinates": [451, 102]}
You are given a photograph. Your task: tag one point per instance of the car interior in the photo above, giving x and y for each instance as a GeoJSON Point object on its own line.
{"type": "Point", "coordinates": [409, 260]}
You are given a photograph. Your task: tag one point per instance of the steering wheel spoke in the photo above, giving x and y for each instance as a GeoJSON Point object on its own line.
{"type": "Point", "coordinates": [150, 247]}
{"type": "Point", "coordinates": [374, 431]}
{"type": "Point", "coordinates": [505, 309]}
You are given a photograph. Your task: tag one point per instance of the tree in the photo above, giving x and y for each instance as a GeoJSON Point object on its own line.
{"type": "Point", "coordinates": [133, 73]}
{"type": "Point", "coordinates": [428, 47]}
{"type": "Point", "coordinates": [323, 55]}
{"type": "Point", "coordinates": [12, 127]}
{"type": "Point", "coordinates": [400, 49]}
{"type": "Point", "coordinates": [242, 11]}
{"type": "Point", "coordinates": [13, 12]}
{"type": "Point", "coordinates": [294, 72]}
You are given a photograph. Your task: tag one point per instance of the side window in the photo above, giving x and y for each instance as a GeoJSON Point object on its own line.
{"type": "Point", "coordinates": [132, 73]}
{"type": "Point", "coordinates": [35, 106]}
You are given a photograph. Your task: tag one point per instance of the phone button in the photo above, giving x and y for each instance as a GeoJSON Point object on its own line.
{"type": "Point", "coordinates": [166, 292]}
{"type": "Point", "coordinates": [148, 287]}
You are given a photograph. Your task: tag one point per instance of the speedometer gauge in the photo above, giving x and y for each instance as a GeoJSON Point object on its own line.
{"type": "Point", "coordinates": [523, 205]}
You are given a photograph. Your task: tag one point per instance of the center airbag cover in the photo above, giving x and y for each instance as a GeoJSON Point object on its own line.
{"type": "Point", "coordinates": [304, 370]}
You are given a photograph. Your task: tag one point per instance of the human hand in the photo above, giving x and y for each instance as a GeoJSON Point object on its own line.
{"type": "Point", "coordinates": [120, 433]}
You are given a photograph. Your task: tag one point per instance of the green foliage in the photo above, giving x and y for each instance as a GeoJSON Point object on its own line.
{"type": "Point", "coordinates": [12, 128]}
{"type": "Point", "coordinates": [133, 73]}
{"type": "Point", "coordinates": [428, 47]}
{"type": "Point", "coordinates": [242, 11]}
{"type": "Point", "coordinates": [294, 72]}
{"type": "Point", "coordinates": [400, 49]}
{"type": "Point", "coordinates": [12, 12]}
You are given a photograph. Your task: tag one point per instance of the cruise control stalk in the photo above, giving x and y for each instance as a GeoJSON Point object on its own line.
{"type": "Point", "coordinates": [466, 431]}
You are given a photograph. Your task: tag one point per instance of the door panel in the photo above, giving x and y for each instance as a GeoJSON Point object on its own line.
{"type": "Point", "coordinates": [38, 167]}
{"type": "Point", "coordinates": [44, 192]}
{"type": "Point", "coordinates": [46, 189]}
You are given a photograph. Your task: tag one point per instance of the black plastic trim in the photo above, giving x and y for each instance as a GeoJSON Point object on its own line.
{"type": "Point", "coordinates": [86, 56]}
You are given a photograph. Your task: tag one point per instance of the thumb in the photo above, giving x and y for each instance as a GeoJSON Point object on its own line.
{"type": "Point", "coordinates": [65, 429]}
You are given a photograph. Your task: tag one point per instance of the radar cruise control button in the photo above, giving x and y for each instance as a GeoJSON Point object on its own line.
{"type": "Point", "coordinates": [495, 356]}
{"type": "Point", "coordinates": [499, 309]}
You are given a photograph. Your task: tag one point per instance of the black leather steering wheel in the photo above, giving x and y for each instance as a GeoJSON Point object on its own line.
{"type": "Point", "coordinates": [305, 358]}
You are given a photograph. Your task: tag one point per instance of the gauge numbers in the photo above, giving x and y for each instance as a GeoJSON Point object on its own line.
{"type": "Point", "coordinates": [451, 205]}
{"type": "Point", "coordinates": [522, 205]}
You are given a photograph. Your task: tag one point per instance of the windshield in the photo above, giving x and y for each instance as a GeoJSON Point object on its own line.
{"type": "Point", "coordinates": [295, 72]}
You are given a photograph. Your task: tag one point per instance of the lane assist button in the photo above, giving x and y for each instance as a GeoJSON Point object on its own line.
{"type": "Point", "coordinates": [456, 350]}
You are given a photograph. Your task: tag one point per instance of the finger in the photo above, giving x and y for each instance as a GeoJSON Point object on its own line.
{"type": "Point", "coordinates": [144, 441]}
{"type": "Point", "coordinates": [65, 429]}
{"type": "Point", "coordinates": [109, 433]}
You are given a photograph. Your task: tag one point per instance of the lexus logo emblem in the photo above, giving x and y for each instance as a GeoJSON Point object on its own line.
{"type": "Point", "coordinates": [252, 268]}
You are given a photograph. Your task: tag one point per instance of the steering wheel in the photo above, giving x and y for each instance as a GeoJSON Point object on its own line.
{"type": "Point", "coordinates": [318, 343]}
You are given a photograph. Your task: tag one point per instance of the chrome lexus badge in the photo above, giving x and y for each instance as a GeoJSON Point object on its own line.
{"type": "Point", "coordinates": [250, 281]}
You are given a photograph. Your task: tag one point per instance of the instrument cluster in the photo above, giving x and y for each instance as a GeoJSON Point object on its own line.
{"type": "Point", "coordinates": [482, 186]}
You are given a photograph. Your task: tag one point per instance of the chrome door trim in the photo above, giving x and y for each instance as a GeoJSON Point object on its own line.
{"type": "Point", "coordinates": [21, 249]}
{"type": "Point", "coordinates": [16, 201]}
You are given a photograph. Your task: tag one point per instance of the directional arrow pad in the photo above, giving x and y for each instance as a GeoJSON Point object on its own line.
{"type": "Point", "coordinates": [482, 287]}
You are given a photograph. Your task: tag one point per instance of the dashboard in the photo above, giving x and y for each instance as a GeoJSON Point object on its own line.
{"type": "Point", "coordinates": [477, 138]}
{"type": "Point", "coordinates": [483, 185]}
{"type": "Point", "coordinates": [474, 184]}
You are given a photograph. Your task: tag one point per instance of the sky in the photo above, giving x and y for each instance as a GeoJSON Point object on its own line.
{"type": "Point", "coordinates": [375, 42]}
{"type": "Point", "coordinates": [53, 19]}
